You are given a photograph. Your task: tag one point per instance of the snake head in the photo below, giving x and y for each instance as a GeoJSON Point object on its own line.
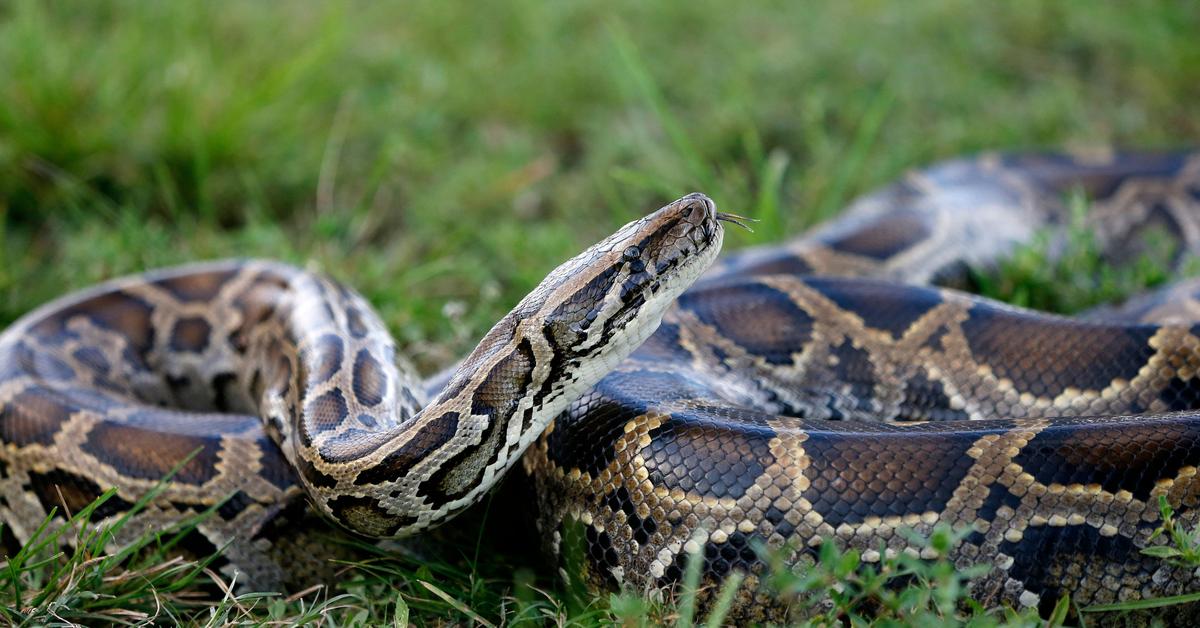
{"type": "Point", "coordinates": [612, 296]}
{"type": "Point", "coordinates": [596, 308]}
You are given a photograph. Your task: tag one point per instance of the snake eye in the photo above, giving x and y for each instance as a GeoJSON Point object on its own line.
{"type": "Point", "coordinates": [632, 253]}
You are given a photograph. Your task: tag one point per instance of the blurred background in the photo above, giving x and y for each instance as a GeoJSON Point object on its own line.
{"type": "Point", "coordinates": [442, 157]}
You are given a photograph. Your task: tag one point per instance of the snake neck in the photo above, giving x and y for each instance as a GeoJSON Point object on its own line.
{"type": "Point", "coordinates": [389, 469]}
{"type": "Point", "coordinates": [371, 454]}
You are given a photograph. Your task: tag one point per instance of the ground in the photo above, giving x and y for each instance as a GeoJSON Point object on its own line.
{"type": "Point", "coordinates": [442, 158]}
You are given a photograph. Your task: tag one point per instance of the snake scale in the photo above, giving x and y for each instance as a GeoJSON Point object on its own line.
{"type": "Point", "coordinates": [833, 387]}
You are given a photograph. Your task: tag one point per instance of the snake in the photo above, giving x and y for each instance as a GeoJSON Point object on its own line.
{"type": "Point", "coordinates": [665, 404]}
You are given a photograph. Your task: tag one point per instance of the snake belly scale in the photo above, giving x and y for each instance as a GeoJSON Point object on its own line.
{"type": "Point", "coordinates": [787, 395]}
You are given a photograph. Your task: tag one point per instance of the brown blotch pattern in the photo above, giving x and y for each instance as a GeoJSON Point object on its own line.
{"type": "Point", "coordinates": [370, 380]}
{"type": "Point", "coordinates": [149, 454]}
{"type": "Point", "coordinates": [195, 287]}
{"type": "Point", "coordinates": [33, 416]}
{"type": "Point", "coordinates": [190, 334]}
{"type": "Point", "coordinates": [885, 237]}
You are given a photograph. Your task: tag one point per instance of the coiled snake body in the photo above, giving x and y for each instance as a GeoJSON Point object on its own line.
{"type": "Point", "coordinates": [1052, 438]}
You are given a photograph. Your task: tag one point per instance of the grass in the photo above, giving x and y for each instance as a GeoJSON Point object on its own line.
{"type": "Point", "coordinates": [140, 583]}
{"type": "Point", "coordinates": [442, 158]}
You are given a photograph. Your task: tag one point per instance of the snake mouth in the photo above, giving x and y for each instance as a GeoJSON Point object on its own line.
{"type": "Point", "coordinates": [710, 210]}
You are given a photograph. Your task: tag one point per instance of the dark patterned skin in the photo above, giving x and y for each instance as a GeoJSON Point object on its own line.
{"type": "Point", "coordinates": [815, 390]}
{"type": "Point", "coordinates": [913, 442]}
